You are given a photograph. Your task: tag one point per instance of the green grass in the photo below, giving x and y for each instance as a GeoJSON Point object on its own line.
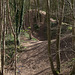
{"type": "Point", "coordinates": [34, 39]}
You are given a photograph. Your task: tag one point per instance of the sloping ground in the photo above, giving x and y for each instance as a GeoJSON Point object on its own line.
{"type": "Point", "coordinates": [39, 27]}
{"type": "Point", "coordinates": [33, 58]}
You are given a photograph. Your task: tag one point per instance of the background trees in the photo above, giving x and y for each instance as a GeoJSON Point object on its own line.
{"type": "Point", "coordinates": [45, 19]}
{"type": "Point", "coordinates": [49, 37]}
{"type": "Point", "coordinates": [60, 14]}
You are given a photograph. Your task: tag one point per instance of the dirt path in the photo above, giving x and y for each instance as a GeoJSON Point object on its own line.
{"type": "Point", "coordinates": [33, 57]}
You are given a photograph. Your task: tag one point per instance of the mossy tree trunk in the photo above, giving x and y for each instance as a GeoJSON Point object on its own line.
{"type": "Point", "coordinates": [21, 18]}
{"type": "Point", "coordinates": [19, 10]}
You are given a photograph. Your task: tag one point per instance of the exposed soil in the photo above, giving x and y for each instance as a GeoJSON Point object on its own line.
{"type": "Point", "coordinates": [33, 57]}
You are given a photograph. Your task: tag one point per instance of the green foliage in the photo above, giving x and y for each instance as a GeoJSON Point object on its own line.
{"type": "Point", "coordinates": [22, 31]}
{"type": "Point", "coordinates": [26, 30]}
{"type": "Point", "coordinates": [70, 28]}
{"type": "Point", "coordinates": [34, 39]}
{"type": "Point", "coordinates": [18, 47]}
{"type": "Point", "coordinates": [57, 72]}
{"type": "Point", "coordinates": [25, 47]}
{"type": "Point", "coordinates": [29, 27]}
{"type": "Point", "coordinates": [73, 59]}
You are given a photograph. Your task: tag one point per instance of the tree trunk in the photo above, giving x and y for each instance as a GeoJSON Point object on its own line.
{"type": "Point", "coordinates": [73, 34]}
{"type": "Point", "coordinates": [49, 37]}
{"type": "Point", "coordinates": [29, 7]}
{"type": "Point", "coordinates": [10, 23]}
{"type": "Point", "coordinates": [38, 10]}
{"type": "Point", "coordinates": [60, 19]}
{"type": "Point", "coordinates": [3, 37]}
{"type": "Point", "coordinates": [0, 30]}
{"type": "Point", "coordinates": [35, 10]}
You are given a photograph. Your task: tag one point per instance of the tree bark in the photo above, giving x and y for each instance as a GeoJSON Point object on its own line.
{"type": "Point", "coordinates": [10, 23]}
{"type": "Point", "coordinates": [0, 30]}
{"type": "Point", "coordinates": [29, 7]}
{"type": "Point", "coordinates": [60, 19]}
{"type": "Point", "coordinates": [73, 33]}
{"type": "Point", "coordinates": [49, 37]}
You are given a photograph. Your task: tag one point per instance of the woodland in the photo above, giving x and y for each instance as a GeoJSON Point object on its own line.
{"type": "Point", "coordinates": [37, 37]}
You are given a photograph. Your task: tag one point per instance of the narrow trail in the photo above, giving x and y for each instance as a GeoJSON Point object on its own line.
{"type": "Point", "coordinates": [33, 57]}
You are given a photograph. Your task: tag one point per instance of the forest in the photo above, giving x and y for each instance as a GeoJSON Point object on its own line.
{"type": "Point", "coordinates": [37, 37]}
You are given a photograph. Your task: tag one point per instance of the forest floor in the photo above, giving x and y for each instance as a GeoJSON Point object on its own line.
{"type": "Point", "coordinates": [33, 57]}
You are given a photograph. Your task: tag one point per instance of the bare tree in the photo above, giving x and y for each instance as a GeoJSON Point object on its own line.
{"type": "Point", "coordinates": [11, 26]}
{"type": "Point", "coordinates": [73, 31]}
{"type": "Point", "coordinates": [3, 36]}
{"type": "Point", "coordinates": [29, 7]}
{"type": "Point", "coordinates": [0, 30]}
{"type": "Point", "coordinates": [60, 19]}
{"type": "Point", "coordinates": [49, 37]}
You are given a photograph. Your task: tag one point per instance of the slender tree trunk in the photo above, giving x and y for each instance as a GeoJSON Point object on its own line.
{"type": "Point", "coordinates": [10, 23]}
{"type": "Point", "coordinates": [0, 31]}
{"type": "Point", "coordinates": [73, 34]}
{"type": "Point", "coordinates": [38, 9]}
{"type": "Point", "coordinates": [16, 10]}
{"type": "Point", "coordinates": [29, 7]}
{"type": "Point", "coordinates": [2, 48]}
{"type": "Point", "coordinates": [49, 37]}
{"type": "Point", "coordinates": [35, 10]}
{"type": "Point", "coordinates": [21, 20]}
{"type": "Point", "coordinates": [15, 58]}
{"type": "Point", "coordinates": [60, 19]}
{"type": "Point", "coordinates": [17, 23]}
{"type": "Point", "coordinates": [3, 37]}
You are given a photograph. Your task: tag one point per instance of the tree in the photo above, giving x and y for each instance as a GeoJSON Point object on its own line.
{"type": "Point", "coordinates": [0, 29]}
{"type": "Point", "coordinates": [60, 19]}
{"type": "Point", "coordinates": [73, 32]}
{"type": "Point", "coordinates": [49, 37]}
{"type": "Point", "coordinates": [29, 7]}
{"type": "Point", "coordinates": [3, 36]}
{"type": "Point", "coordinates": [38, 5]}
{"type": "Point", "coordinates": [11, 26]}
{"type": "Point", "coordinates": [18, 11]}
